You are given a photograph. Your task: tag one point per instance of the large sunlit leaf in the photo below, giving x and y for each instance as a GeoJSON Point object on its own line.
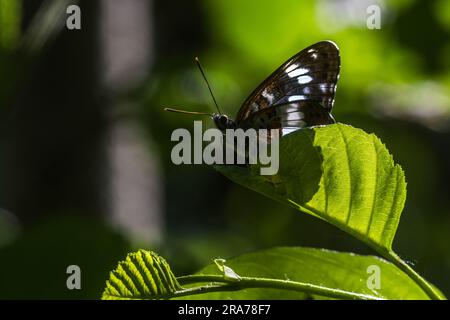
{"type": "Point", "coordinates": [143, 275]}
{"type": "Point", "coordinates": [330, 269]}
{"type": "Point", "coordinates": [340, 174]}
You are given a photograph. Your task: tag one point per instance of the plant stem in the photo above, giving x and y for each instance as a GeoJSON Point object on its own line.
{"type": "Point", "coordinates": [402, 265]}
{"type": "Point", "coordinates": [387, 254]}
{"type": "Point", "coordinates": [252, 282]}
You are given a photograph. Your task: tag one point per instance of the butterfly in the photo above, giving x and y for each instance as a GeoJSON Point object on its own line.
{"type": "Point", "coordinates": [299, 94]}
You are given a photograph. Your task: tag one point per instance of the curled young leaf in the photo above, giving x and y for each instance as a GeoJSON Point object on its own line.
{"type": "Point", "coordinates": [143, 275]}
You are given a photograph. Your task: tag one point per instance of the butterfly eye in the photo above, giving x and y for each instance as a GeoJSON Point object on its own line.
{"type": "Point", "coordinates": [223, 120]}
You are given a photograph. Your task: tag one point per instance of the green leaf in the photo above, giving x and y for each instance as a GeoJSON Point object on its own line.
{"type": "Point", "coordinates": [330, 269]}
{"type": "Point", "coordinates": [143, 275]}
{"type": "Point", "coordinates": [340, 174]}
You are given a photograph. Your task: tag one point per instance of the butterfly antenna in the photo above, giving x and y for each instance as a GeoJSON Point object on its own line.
{"type": "Point", "coordinates": [188, 112]}
{"type": "Point", "coordinates": [197, 61]}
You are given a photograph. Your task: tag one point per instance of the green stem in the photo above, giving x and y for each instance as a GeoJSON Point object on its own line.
{"type": "Point", "coordinates": [251, 282]}
{"type": "Point", "coordinates": [387, 254]}
{"type": "Point", "coordinates": [402, 265]}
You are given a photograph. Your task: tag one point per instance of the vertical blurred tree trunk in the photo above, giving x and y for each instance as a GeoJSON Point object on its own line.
{"type": "Point", "coordinates": [57, 125]}
{"type": "Point", "coordinates": [65, 155]}
{"type": "Point", "coordinates": [134, 180]}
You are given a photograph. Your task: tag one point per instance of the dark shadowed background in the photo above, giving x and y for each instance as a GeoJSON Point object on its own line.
{"type": "Point", "coordinates": [85, 169]}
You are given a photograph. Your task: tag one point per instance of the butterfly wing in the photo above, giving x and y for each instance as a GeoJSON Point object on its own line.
{"type": "Point", "coordinates": [298, 94]}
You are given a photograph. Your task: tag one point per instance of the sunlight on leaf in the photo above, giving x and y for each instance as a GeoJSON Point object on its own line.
{"type": "Point", "coordinates": [331, 269]}
{"type": "Point", "coordinates": [143, 275]}
{"type": "Point", "coordinates": [337, 173]}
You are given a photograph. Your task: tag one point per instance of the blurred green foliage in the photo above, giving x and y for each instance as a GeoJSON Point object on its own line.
{"type": "Point", "coordinates": [9, 23]}
{"type": "Point", "coordinates": [35, 265]}
{"type": "Point", "coordinates": [394, 82]}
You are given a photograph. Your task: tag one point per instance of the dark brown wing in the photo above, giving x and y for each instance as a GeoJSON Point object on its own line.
{"type": "Point", "coordinates": [289, 117]}
{"type": "Point", "coordinates": [299, 93]}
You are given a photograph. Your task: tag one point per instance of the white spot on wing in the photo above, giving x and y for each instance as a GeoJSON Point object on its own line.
{"type": "Point", "coordinates": [268, 96]}
{"type": "Point", "coordinates": [296, 98]}
{"type": "Point", "coordinates": [291, 107]}
{"type": "Point", "coordinates": [295, 115]}
{"type": "Point", "coordinates": [304, 79]}
{"type": "Point", "coordinates": [297, 72]}
{"type": "Point", "coordinates": [288, 130]}
{"type": "Point", "coordinates": [291, 67]}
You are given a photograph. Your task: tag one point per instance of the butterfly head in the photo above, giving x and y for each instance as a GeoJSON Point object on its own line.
{"type": "Point", "coordinates": [223, 122]}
